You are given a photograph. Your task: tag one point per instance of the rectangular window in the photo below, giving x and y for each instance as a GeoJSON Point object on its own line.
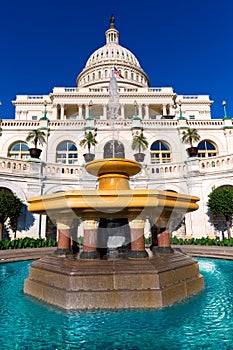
{"type": "Point", "coordinates": [34, 117]}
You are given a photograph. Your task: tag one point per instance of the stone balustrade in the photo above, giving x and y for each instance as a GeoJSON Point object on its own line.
{"type": "Point", "coordinates": [63, 170]}
{"type": "Point", "coordinates": [159, 123]}
{"type": "Point", "coordinates": [216, 163]}
{"type": "Point", "coordinates": [8, 165]}
{"type": "Point", "coordinates": [173, 169]}
{"type": "Point", "coordinates": [204, 123]}
{"type": "Point", "coordinates": [107, 124]}
{"type": "Point", "coordinates": [19, 124]}
{"type": "Point", "coordinates": [54, 124]}
{"type": "Point", "coordinates": [53, 170]}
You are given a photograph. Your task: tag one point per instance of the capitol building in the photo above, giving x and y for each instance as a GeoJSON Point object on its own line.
{"type": "Point", "coordinates": [163, 115]}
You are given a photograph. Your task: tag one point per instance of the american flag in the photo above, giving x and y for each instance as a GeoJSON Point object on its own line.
{"type": "Point", "coordinates": [117, 72]}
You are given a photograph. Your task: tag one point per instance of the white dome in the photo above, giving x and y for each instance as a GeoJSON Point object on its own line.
{"type": "Point", "coordinates": [103, 61]}
{"type": "Point", "coordinates": [112, 52]}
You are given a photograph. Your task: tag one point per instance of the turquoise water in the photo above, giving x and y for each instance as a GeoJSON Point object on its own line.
{"type": "Point", "coordinates": [204, 321]}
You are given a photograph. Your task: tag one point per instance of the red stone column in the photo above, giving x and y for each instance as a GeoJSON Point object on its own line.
{"type": "Point", "coordinates": [164, 244]}
{"type": "Point", "coordinates": [90, 240]}
{"type": "Point", "coordinates": [63, 246]}
{"type": "Point", "coordinates": [163, 238]}
{"type": "Point", "coordinates": [137, 240]}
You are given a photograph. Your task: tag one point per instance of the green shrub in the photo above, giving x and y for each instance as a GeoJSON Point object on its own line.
{"type": "Point", "coordinates": [204, 241]}
{"type": "Point", "coordinates": [80, 240]}
{"type": "Point", "coordinates": [27, 242]}
{"type": "Point", "coordinates": [148, 240]}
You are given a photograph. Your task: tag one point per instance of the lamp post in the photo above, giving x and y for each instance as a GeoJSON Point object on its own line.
{"type": "Point", "coordinates": [225, 110]}
{"type": "Point", "coordinates": [181, 115]}
{"type": "Point", "coordinates": [45, 110]}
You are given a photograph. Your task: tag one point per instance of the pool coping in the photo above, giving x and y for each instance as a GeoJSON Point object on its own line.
{"type": "Point", "coordinates": [10, 255]}
{"type": "Point", "coordinates": [216, 252]}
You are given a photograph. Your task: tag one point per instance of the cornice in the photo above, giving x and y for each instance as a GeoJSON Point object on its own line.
{"type": "Point", "coordinates": [106, 95]}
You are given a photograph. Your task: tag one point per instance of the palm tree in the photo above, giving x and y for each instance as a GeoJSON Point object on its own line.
{"type": "Point", "coordinates": [89, 140]}
{"type": "Point", "coordinates": [36, 136]}
{"type": "Point", "coordinates": [139, 143]}
{"type": "Point", "coordinates": [190, 136]}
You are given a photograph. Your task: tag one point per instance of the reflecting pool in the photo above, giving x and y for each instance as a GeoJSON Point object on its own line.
{"type": "Point", "coordinates": [204, 321]}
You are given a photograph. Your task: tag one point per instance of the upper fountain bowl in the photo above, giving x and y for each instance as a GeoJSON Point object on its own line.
{"type": "Point", "coordinates": [113, 173]}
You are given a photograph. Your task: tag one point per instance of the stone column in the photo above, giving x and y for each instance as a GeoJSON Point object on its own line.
{"type": "Point", "coordinates": [80, 112]}
{"type": "Point", "coordinates": [105, 112]}
{"type": "Point", "coordinates": [86, 111]}
{"type": "Point", "coordinates": [62, 112]}
{"type": "Point", "coordinates": [63, 232]}
{"type": "Point", "coordinates": [164, 245]}
{"type": "Point", "coordinates": [171, 110]}
{"type": "Point", "coordinates": [164, 110]}
{"type": "Point", "coordinates": [90, 240]}
{"type": "Point", "coordinates": [140, 111]}
{"type": "Point", "coordinates": [146, 111]}
{"type": "Point", "coordinates": [55, 112]}
{"type": "Point", "coordinates": [122, 111]}
{"type": "Point", "coordinates": [17, 114]}
{"type": "Point", "coordinates": [137, 240]}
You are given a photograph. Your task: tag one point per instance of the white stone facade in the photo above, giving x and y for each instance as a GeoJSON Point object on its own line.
{"type": "Point", "coordinates": [161, 113]}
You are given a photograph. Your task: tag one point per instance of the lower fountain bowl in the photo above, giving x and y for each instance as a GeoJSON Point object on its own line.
{"type": "Point", "coordinates": [114, 284]}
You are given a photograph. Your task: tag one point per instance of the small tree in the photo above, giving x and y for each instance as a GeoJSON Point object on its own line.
{"type": "Point", "coordinates": [221, 203]}
{"type": "Point", "coordinates": [10, 207]}
{"type": "Point", "coordinates": [189, 136]}
{"type": "Point", "coordinates": [89, 140]}
{"type": "Point", "coordinates": [139, 143]}
{"type": "Point", "coordinates": [36, 136]}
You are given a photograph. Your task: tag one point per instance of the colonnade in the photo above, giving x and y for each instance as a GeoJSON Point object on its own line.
{"type": "Point", "coordinates": [83, 110]}
{"type": "Point", "coordinates": [160, 240]}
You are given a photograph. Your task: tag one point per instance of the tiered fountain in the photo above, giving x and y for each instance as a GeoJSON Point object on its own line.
{"type": "Point", "coordinates": [129, 278]}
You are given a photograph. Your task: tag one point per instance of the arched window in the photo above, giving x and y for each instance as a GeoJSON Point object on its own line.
{"type": "Point", "coordinates": [160, 152]}
{"type": "Point", "coordinates": [67, 153]}
{"type": "Point", "coordinates": [114, 149]}
{"type": "Point", "coordinates": [206, 149]}
{"type": "Point", "coordinates": [18, 150]}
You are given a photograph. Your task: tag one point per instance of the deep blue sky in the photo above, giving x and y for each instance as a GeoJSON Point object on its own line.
{"type": "Point", "coordinates": [185, 44]}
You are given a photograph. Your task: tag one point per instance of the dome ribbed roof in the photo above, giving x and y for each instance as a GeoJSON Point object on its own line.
{"type": "Point", "coordinates": [112, 52]}
{"type": "Point", "coordinates": [101, 63]}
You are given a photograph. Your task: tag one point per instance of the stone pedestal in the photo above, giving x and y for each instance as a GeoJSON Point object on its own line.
{"type": "Point", "coordinates": [114, 284]}
{"type": "Point", "coordinates": [135, 282]}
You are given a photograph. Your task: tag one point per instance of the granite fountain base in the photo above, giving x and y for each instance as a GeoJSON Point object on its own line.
{"type": "Point", "coordinates": [72, 283]}
{"type": "Point", "coordinates": [134, 280]}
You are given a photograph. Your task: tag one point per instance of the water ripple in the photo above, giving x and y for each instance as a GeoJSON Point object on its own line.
{"type": "Point", "coordinates": [204, 321]}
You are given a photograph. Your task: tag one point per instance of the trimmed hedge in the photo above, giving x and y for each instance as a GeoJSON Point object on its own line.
{"type": "Point", "coordinates": [205, 241]}
{"type": "Point", "coordinates": [27, 242]}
